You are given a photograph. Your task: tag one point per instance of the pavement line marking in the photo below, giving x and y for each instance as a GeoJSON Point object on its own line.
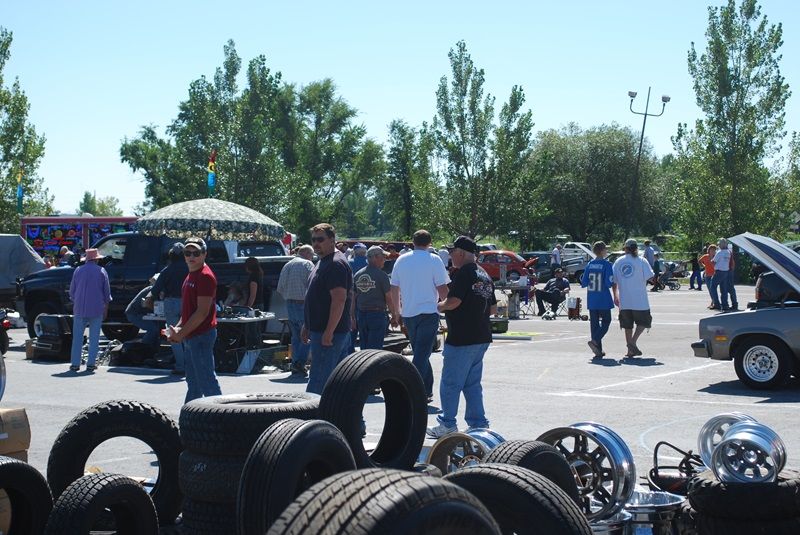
{"type": "Point", "coordinates": [560, 339]}
{"type": "Point", "coordinates": [643, 435]}
{"type": "Point", "coordinates": [114, 460]}
{"type": "Point", "coordinates": [753, 405]}
{"type": "Point", "coordinates": [641, 379]}
{"type": "Point", "coordinates": [544, 372]}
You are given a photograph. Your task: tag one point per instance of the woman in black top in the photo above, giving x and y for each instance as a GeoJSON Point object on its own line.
{"type": "Point", "coordinates": [255, 279]}
{"type": "Point", "coordinates": [695, 276]}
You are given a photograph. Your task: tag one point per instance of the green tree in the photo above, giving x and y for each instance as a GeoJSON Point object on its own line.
{"type": "Point", "coordinates": [742, 93]}
{"type": "Point", "coordinates": [21, 151]}
{"type": "Point", "coordinates": [99, 206]}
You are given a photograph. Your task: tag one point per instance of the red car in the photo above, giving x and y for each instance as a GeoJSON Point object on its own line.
{"type": "Point", "coordinates": [491, 261]}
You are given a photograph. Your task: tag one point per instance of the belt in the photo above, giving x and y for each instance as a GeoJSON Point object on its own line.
{"type": "Point", "coordinates": [296, 301]}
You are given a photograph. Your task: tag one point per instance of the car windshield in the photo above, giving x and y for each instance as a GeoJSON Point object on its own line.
{"type": "Point", "coordinates": [115, 248]}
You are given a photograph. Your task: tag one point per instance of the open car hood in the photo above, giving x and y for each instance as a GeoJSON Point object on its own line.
{"type": "Point", "coordinates": [775, 256]}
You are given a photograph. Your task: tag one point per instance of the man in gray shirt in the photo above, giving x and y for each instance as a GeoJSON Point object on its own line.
{"type": "Point", "coordinates": [292, 286]}
{"type": "Point", "coordinates": [373, 298]}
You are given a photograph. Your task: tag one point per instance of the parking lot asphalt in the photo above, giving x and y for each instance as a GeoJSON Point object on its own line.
{"type": "Point", "coordinates": [530, 386]}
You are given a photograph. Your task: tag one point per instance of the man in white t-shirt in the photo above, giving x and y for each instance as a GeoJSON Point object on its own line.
{"type": "Point", "coordinates": [631, 274]}
{"type": "Point", "coordinates": [555, 257]}
{"type": "Point", "coordinates": [444, 254]}
{"type": "Point", "coordinates": [723, 275]}
{"type": "Point", "coordinates": [419, 282]}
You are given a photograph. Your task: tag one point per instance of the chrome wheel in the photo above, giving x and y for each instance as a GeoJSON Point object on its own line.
{"type": "Point", "coordinates": [714, 429]}
{"type": "Point", "coordinates": [458, 450]}
{"type": "Point", "coordinates": [750, 452]}
{"type": "Point", "coordinates": [760, 363]}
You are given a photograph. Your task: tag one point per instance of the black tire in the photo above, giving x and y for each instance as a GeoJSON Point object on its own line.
{"type": "Point", "coordinates": [522, 501]}
{"type": "Point", "coordinates": [231, 424]}
{"type": "Point", "coordinates": [289, 457]}
{"type": "Point", "coordinates": [751, 353]}
{"type": "Point", "coordinates": [539, 457]}
{"type": "Point", "coordinates": [28, 495]}
{"type": "Point", "coordinates": [210, 478]}
{"type": "Point", "coordinates": [35, 311]}
{"type": "Point", "coordinates": [120, 418]}
{"type": "Point", "coordinates": [123, 333]}
{"type": "Point", "coordinates": [206, 518]}
{"type": "Point", "coordinates": [86, 500]}
{"type": "Point", "coordinates": [746, 501]}
{"type": "Point", "coordinates": [711, 525]}
{"type": "Point", "coordinates": [346, 392]}
{"type": "Point", "coordinates": [388, 502]}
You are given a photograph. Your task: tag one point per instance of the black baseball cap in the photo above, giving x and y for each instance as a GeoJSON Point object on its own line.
{"type": "Point", "coordinates": [466, 243]}
{"type": "Point", "coordinates": [199, 243]}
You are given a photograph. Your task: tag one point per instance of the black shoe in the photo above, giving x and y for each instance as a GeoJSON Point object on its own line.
{"type": "Point", "coordinates": [91, 368]}
{"type": "Point", "coordinates": [74, 368]}
{"type": "Point", "coordinates": [298, 370]}
{"type": "Point", "coordinates": [540, 313]}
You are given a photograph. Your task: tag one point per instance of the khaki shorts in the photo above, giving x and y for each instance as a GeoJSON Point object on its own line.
{"type": "Point", "coordinates": [641, 318]}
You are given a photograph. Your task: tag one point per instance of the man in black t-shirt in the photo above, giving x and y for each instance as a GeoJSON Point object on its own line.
{"type": "Point", "coordinates": [327, 307]}
{"type": "Point", "coordinates": [554, 292]}
{"type": "Point", "coordinates": [470, 301]}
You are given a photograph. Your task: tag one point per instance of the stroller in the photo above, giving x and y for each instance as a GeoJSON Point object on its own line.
{"type": "Point", "coordinates": [667, 279]}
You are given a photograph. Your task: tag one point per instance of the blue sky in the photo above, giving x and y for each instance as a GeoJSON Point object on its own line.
{"type": "Point", "coordinates": [95, 72]}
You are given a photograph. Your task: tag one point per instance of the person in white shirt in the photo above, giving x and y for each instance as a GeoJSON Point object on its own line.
{"type": "Point", "coordinates": [419, 281]}
{"type": "Point", "coordinates": [444, 254]}
{"type": "Point", "coordinates": [723, 275]}
{"type": "Point", "coordinates": [555, 257]}
{"type": "Point", "coordinates": [631, 274]}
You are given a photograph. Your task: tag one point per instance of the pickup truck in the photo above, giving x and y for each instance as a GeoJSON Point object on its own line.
{"type": "Point", "coordinates": [131, 259]}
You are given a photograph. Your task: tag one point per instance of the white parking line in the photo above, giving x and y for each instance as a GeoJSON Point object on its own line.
{"type": "Point", "coordinates": [641, 379]}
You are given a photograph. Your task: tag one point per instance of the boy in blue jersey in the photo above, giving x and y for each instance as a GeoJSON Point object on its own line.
{"type": "Point", "coordinates": [598, 279]}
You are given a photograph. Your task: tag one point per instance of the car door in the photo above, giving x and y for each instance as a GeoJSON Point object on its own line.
{"type": "Point", "coordinates": [141, 262]}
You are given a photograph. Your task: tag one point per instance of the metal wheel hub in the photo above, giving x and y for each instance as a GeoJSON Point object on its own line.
{"type": "Point", "coordinates": [459, 450]}
{"type": "Point", "coordinates": [760, 363]}
{"type": "Point", "coordinates": [714, 429]}
{"type": "Point", "coordinates": [749, 453]}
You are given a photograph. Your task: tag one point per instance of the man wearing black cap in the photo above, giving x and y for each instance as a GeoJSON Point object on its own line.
{"type": "Point", "coordinates": [554, 292]}
{"type": "Point", "coordinates": [197, 328]}
{"type": "Point", "coordinates": [470, 300]}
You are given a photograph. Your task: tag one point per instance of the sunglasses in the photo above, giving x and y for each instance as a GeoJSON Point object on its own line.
{"type": "Point", "coordinates": [188, 253]}
{"type": "Point", "coordinates": [319, 239]}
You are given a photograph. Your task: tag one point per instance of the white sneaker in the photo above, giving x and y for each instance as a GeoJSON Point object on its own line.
{"type": "Point", "coordinates": [470, 428]}
{"type": "Point", "coordinates": [441, 430]}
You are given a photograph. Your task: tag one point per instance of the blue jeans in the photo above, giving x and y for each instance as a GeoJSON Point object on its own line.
{"type": "Point", "coordinates": [722, 279]}
{"type": "Point", "coordinates": [599, 322]}
{"type": "Point", "coordinates": [422, 330]}
{"type": "Point", "coordinates": [296, 321]}
{"type": "Point", "coordinates": [151, 328]}
{"type": "Point", "coordinates": [325, 358]}
{"type": "Point", "coordinates": [461, 372]}
{"type": "Point", "coordinates": [79, 324]}
{"type": "Point", "coordinates": [201, 379]}
{"type": "Point", "coordinates": [696, 277]}
{"type": "Point", "coordinates": [172, 312]}
{"type": "Point", "coordinates": [372, 327]}
{"type": "Point", "coordinates": [711, 284]}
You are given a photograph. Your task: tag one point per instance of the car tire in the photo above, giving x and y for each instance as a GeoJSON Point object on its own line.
{"type": "Point", "coordinates": [85, 501]}
{"type": "Point", "coordinates": [120, 418]}
{"type": "Point", "coordinates": [713, 525]}
{"type": "Point", "coordinates": [36, 310]}
{"type": "Point", "coordinates": [231, 424]}
{"type": "Point", "coordinates": [522, 501]}
{"type": "Point", "coordinates": [123, 333]}
{"type": "Point", "coordinates": [746, 501]}
{"type": "Point", "coordinates": [210, 478]}
{"type": "Point", "coordinates": [28, 494]}
{"type": "Point", "coordinates": [345, 393]}
{"type": "Point", "coordinates": [762, 362]}
{"type": "Point", "coordinates": [290, 456]}
{"type": "Point", "coordinates": [390, 502]}
{"type": "Point", "coordinates": [538, 457]}
{"type": "Point", "coordinates": [207, 518]}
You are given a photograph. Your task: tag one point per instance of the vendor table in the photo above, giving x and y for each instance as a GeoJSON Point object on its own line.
{"type": "Point", "coordinates": [514, 293]}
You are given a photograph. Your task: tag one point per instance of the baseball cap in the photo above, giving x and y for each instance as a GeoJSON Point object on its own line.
{"type": "Point", "coordinates": [631, 244]}
{"type": "Point", "coordinates": [376, 250]}
{"type": "Point", "coordinates": [466, 243]}
{"type": "Point", "coordinates": [176, 249]}
{"type": "Point", "coordinates": [359, 245]}
{"type": "Point", "coordinates": [199, 243]}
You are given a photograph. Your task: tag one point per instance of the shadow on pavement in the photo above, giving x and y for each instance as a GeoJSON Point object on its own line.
{"type": "Point", "coordinates": [433, 409]}
{"type": "Point", "coordinates": [162, 379]}
{"type": "Point", "coordinates": [294, 378]}
{"type": "Point", "coordinates": [138, 371]}
{"type": "Point", "coordinates": [639, 361]}
{"type": "Point", "coordinates": [605, 362]}
{"type": "Point", "coordinates": [790, 393]}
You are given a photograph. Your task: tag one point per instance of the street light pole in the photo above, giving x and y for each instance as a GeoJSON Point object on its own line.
{"type": "Point", "coordinates": [635, 188]}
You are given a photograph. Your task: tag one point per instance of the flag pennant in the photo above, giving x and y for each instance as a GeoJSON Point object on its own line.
{"type": "Point", "coordinates": [212, 172]}
{"type": "Point", "coordinates": [19, 192]}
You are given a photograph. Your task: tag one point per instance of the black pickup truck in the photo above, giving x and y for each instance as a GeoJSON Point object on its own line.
{"type": "Point", "coordinates": [131, 259]}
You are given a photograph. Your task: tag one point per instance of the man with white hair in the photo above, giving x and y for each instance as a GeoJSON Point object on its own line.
{"type": "Point", "coordinates": [292, 285]}
{"type": "Point", "coordinates": [631, 274]}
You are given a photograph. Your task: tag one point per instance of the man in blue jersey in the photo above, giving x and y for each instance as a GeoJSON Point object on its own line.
{"type": "Point", "coordinates": [598, 279]}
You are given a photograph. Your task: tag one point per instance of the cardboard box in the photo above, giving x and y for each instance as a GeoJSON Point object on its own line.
{"type": "Point", "coordinates": [15, 431]}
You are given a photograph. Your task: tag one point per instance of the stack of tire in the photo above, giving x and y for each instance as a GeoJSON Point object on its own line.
{"type": "Point", "coordinates": [745, 508]}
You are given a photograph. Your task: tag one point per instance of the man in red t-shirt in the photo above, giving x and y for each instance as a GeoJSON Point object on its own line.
{"type": "Point", "coordinates": [197, 328]}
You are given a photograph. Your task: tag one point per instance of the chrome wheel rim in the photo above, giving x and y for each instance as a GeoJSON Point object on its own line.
{"type": "Point", "coordinates": [713, 431]}
{"type": "Point", "coordinates": [750, 452]}
{"type": "Point", "coordinates": [458, 450]}
{"type": "Point", "coordinates": [761, 363]}
{"type": "Point", "coordinates": [601, 463]}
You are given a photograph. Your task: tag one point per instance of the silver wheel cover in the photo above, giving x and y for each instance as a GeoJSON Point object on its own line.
{"type": "Point", "coordinates": [459, 450]}
{"type": "Point", "coordinates": [750, 452]}
{"type": "Point", "coordinates": [760, 363]}
{"type": "Point", "coordinates": [714, 429]}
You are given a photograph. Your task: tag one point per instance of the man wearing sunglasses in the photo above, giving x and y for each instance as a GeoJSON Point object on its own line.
{"type": "Point", "coordinates": [197, 328]}
{"type": "Point", "coordinates": [327, 307]}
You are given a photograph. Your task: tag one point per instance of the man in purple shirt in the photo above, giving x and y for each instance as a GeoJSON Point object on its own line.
{"type": "Point", "coordinates": [90, 294]}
